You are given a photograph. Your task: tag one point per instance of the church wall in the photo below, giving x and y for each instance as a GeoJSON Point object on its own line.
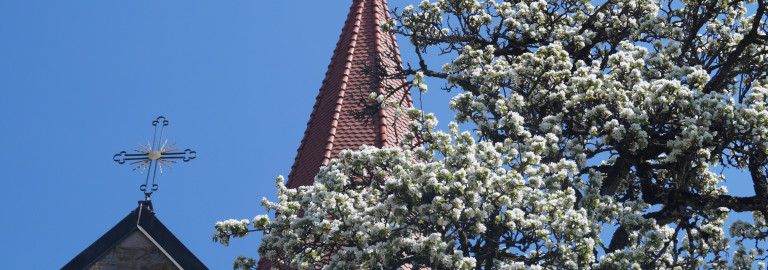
{"type": "Point", "coordinates": [135, 252]}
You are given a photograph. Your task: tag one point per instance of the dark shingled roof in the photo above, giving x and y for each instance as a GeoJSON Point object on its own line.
{"type": "Point", "coordinates": [331, 127]}
{"type": "Point", "coordinates": [143, 219]}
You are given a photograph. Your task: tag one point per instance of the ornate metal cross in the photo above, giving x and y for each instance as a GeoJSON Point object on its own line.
{"type": "Point", "coordinates": [153, 156]}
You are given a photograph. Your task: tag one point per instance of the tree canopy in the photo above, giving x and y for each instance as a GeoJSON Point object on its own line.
{"type": "Point", "coordinates": [601, 130]}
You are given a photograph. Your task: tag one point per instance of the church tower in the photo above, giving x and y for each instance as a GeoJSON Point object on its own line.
{"type": "Point", "coordinates": [332, 127]}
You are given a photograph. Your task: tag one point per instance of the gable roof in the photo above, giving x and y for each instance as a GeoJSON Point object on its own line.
{"type": "Point", "coordinates": [332, 127]}
{"type": "Point", "coordinates": [143, 220]}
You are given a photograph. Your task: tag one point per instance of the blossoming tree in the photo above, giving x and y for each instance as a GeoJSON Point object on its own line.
{"type": "Point", "coordinates": [601, 131]}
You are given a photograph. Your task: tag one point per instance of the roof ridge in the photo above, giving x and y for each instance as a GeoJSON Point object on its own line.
{"type": "Point", "coordinates": [396, 49]}
{"type": "Point", "coordinates": [380, 89]}
{"type": "Point", "coordinates": [319, 97]}
{"type": "Point", "coordinates": [380, 50]}
{"type": "Point", "coordinates": [343, 89]}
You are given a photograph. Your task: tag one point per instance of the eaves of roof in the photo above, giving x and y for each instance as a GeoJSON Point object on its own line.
{"type": "Point", "coordinates": [144, 220]}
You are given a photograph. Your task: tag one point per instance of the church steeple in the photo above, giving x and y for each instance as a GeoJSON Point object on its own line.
{"type": "Point", "coordinates": [332, 127]}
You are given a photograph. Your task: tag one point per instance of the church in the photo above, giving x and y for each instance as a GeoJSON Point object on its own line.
{"type": "Point", "coordinates": [141, 241]}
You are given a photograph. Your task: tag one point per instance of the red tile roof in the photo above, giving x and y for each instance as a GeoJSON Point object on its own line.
{"type": "Point", "coordinates": [332, 127]}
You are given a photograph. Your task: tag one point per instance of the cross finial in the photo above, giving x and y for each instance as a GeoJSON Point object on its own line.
{"type": "Point", "coordinates": [153, 156]}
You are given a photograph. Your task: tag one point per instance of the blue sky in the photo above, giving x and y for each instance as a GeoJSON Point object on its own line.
{"type": "Point", "coordinates": [82, 80]}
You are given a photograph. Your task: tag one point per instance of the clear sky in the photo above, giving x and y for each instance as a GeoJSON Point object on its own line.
{"type": "Point", "coordinates": [82, 80]}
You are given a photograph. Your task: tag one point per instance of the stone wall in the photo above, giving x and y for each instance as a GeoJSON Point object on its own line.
{"type": "Point", "coordinates": [135, 252]}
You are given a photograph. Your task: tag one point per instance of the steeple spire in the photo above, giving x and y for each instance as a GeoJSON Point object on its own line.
{"type": "Point", "coordinates": [332, 127]}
